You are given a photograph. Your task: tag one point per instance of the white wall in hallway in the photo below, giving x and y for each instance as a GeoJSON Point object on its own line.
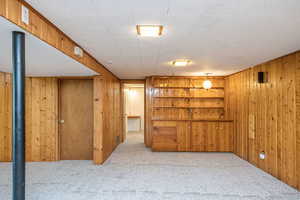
{"type": "Point", "coordinates": [135, 107]}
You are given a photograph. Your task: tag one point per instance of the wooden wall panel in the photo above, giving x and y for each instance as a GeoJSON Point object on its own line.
{"type": "Point", "coordinates": [212, 136]}
{"type": "Point", "coordinates": [298, 119]}
{"type": "Point", "coordinates": [41, 118]}
{"type": "Point", "coordinates": [265, 116]}
{"type": "Point", "coordinates": [41, 124]}
{"type": "Point", "coordinates": [238, 111]}
{"type": "Point", "coordinates": [5, 117]}
{"type": "Point", "coordinates": [171, 136]}
{"type": "Point", "coordinates": [148, 112]}
{"type": "Point", "coordinates": [98, 120]}
{"type": "Point", "coordinates": [42, 142]}
{"type": "Point", "coordinates": [107, 121]}
{"type": "Point", "coordinates": [2, 7]}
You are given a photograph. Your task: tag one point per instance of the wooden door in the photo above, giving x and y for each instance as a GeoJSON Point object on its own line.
{"type": "Point", "coordinates": [171, 136]}
{"type": "Point", "coordinates": [76, 119]}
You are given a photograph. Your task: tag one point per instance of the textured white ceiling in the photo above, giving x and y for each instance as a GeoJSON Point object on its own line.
{"type": "Point", "coordinates": [41, 59]}
{"type": "Point", "coordinates": [219, 36]}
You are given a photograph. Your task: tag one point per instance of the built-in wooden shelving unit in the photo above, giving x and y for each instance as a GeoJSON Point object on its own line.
{"type": "Point", "coordinates": [183, 115]}
{"type": "Point", "coordinates": [184, 98]}
{"type": "Point", "coordinates": [188, 87]}
{"type": "Point", "coordinates": [189, 97]}
{"type": "Point", "coordinates": [199, 120]}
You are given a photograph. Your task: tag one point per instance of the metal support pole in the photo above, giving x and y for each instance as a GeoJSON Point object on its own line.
{"type": "Point", "coordinates": [18, 115]}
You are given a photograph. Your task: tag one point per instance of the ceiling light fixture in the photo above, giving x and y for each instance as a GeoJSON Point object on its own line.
{"type": "Point", "coordinates": [181, 63]}
{"type": "Point", "coordinates": [207, 84]}
{"type": "Point", "coordinates": [149, 30]}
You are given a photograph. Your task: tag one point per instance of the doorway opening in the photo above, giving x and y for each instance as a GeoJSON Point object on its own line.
{"type": "Point", "coordinates": [133, 111]}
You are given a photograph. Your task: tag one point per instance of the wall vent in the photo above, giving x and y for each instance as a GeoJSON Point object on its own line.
{"type": "Point", "coordinates": [262, 77]}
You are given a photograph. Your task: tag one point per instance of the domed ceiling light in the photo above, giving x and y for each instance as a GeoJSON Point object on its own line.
{"type": "Point", "coordinates": [207, 84]}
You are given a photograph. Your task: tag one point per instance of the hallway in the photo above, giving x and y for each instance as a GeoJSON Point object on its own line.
{"type": "Point", "coordinates": [134, 172]}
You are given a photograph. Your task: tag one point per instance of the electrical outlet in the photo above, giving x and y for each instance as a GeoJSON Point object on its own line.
{"type": "Point", "coordinates": [262, 155]}
{"type": "Point", "coordinates": [25, 15]}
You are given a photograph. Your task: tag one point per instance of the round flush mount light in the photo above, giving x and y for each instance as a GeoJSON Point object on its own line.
{"type": "Point", "coordinates": [207, 84]}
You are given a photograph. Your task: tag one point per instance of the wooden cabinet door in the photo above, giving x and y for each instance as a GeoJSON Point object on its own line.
{"type": "Point", "coordinates": [171, 136]}
{"type": "Point", "coordinates": [211, 136]}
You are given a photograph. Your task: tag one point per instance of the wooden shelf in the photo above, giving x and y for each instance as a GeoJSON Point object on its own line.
{"type": "Point", "coordinates": [196, 120]}
{"type": "Point", "coordinates": [185, 87]}
{"type": "Point", "coordinates": [133, 117]}
{"type": "Point", "coordinates": [189, 97]}
{"type": "Point", "coordinates": [189, 107]}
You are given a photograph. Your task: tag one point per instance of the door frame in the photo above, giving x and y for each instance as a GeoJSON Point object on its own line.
{"type": "Point", "coordinates": [123, 120]}
{"type": "Point", "coordinates": [60, 79]}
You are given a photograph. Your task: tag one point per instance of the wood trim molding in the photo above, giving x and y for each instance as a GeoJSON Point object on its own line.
{"type": "Point", "coordinates": [45, 30]}
{"type": "Point", "coordinates": [133, 81]}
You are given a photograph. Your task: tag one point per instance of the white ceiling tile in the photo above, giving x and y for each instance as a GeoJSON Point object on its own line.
{"type": "Point", "coordinates": [218, 36]}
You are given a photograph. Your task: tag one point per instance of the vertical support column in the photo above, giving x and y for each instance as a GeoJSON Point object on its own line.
{"type": "Point", "coordinates": [18, 115]}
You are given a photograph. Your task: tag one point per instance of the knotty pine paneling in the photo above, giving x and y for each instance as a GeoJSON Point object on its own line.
{"type": "Point", "coordinates": [182, 98]}
{"type": "Point", "coordinates": [236, 109]}
{"type": "Point", "coordinates": [266, 116]}
{"type": "Point", "coordinates": [5, 117]}
{"type": "Point", "coordinates": [98, 120]}
{"type": "Point", "coordinates": [42, 28]}
{"type": "Point", "coordinates": [41, 118]}
{"type": "Point", "coordinates": [107, 121]}
{"type": "Point", "coordinates": [298, 119]}
{"type": "Point", "coordinates": [2, 7]}
{"type": "Point", "coordinates": [188, 103]}
{"type": "Point", "coordinates": [148, 112]}
{"type": "Point", "coordinates": [173, 104]}
{"type": "Point", "coordinates": [42, 142]}
{"type": "Point", "coordinates": [212, 136]}
{"type": "Point", "coordinates": [171, 136]}
{"type": "Point", "coordinates": [184, 82]}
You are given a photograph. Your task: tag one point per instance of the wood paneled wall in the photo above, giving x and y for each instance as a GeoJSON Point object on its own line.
{"type": "Point", "coordinates": [42, 141]}
{"type": "Point", "coordinates": [108, 110]}
{"type": "Point", "coordinates": [41, 118]}
{"type": "Point", "coordinates": [5, 117]}
{"type": "Point", "coordinates": [42, 28]}
{"type": "Point", "coordinates": [267, 116]}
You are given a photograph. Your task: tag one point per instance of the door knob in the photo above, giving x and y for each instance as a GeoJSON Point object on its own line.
{"type": "Point", "coordinates": [61, 121]}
